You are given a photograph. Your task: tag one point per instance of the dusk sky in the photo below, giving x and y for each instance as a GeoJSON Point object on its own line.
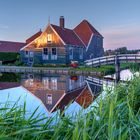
{"type": "Point", "coordinates": [117, 20]}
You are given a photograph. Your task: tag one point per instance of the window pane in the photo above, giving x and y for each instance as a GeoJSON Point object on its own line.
{"type": "Point", "coordinates": [49, 37]}
{"type": "Point", "coordinates": [53, 51]}
{"type": "Point", "coordinates": [26, 52]}
{"type": "Point", "coordinates": [49, 99]}
{"type": "Point", "coordinates": [54, 83]}
{"type": "Point", "coordinates": [46, 51]}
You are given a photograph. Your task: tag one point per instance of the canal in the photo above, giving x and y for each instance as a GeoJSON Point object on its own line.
{"type": "Point", "coordinates": [53, 93]}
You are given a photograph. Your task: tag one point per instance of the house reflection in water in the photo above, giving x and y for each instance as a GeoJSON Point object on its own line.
{"type": "Point", "coordinates": [57, 91]}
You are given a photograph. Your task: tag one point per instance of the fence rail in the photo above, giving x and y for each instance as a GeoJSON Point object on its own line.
{"type": "Point", "coordinates": [111, 59]}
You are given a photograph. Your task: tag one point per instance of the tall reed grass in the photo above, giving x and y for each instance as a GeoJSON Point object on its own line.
{"type": "Point", "coordinates": [115, 117]}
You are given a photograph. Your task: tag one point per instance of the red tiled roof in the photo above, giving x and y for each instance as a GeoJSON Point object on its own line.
{"type": "Point", "coordinates": [8, 46]}
{"type": "Point", "coordinates": [84, 30]}
{"type": "Point", "coordinates": [68, 36]}
{"type": "Point", "coordinates": [85, 98]}
{"type": "Point", "coordinates": [6, 85]}
{"type": "Point", "coordinates": [33, 37]}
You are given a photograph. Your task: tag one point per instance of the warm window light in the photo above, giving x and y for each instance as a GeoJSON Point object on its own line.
{"type": "Point", "coordinates": [49, 37]}
{"type": "Point", "coordinates": [49, 99]}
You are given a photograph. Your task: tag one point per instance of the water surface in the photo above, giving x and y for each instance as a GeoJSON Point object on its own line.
{"type": "Point", "coordinates": [53, 93]}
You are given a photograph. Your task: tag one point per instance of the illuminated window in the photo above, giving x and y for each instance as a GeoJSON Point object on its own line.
{"type": "Point", "coordinates": [49, 38]}
{"type": "Point", "coordinates": [49, 99]}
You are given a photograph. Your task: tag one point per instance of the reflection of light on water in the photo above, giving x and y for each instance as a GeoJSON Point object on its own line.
{"type": "Point", "coordinates": [124, 75]}
{"type": "Point", "coordinates": [13, 94]}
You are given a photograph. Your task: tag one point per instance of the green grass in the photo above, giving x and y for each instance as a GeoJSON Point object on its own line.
{"type": "Point", "coordinates": [103, 69]}
{"type": "Point", "coordinates": [130, 65]}
{"type": "Point", "coordinates": [110, 69]}
{"type": "Point", "coordinates": [115, 117]}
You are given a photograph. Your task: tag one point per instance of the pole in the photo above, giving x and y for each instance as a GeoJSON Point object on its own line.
{"type": "Point", "coordinates": [117, 68]}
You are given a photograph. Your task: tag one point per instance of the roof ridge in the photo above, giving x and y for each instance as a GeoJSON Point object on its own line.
{"type": "Point", "coordinates": [61, 27]}
{"type": "Point", "coordinates": [91, 27]}
{"type": "Point", "coordinates": [12, 41]}
{"type": "Point", "coordinates": [34, 36]}
{"type": "Point", "coordinates": [58, 29]}
{"type": "Point", "coordinates": [79, 38]}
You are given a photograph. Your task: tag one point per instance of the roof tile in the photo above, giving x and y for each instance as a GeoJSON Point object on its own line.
{"type": "Point", "coordinates": [33, 37]}
{"type": "Point", "coordinates": [8, 46]}
{"type": "Point", "coordinates": [68, 36]}
{"type": "Point", "coordinates": [84, 30]}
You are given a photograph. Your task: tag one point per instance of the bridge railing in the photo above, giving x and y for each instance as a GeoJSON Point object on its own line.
{"type": "Point", "coordinates": [111, 59]}
{"type": "Point", "coordinates": [100, 82]}
{"type": "Point", "coordinates": [101, 60]}
{"type": "Point", "coordinates": [127, 57]}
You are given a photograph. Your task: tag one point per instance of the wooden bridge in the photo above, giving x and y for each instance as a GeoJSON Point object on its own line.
{"type": "Point", "coordinates": [100, 81]}
{"type": "Point", "coordinates": [113, 59]}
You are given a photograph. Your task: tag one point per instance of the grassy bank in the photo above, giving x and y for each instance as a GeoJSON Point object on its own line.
{"type": "Point", "coordinates": [103, 70]}
{"type": "Point", "coordinates": [110, 69]}
{"type": "Point", "coordinates": [115, 117]}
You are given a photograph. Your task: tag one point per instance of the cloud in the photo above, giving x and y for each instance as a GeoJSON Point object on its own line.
{"type": "Point", "coordinates": [3, 26]}
{"type": "Point", "coordinates": [122, 35]}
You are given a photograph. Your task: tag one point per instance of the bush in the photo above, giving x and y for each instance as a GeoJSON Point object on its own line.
{"type": "Point", "coordinates": [4, 56]}
{"type": "Point", "coordinates": [10, 77]}
{"type": "Point", "coordinates": [50, 65]}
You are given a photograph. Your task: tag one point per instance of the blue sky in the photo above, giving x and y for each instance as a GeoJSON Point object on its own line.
{"type": "Point", "coordinates": [117, 20]}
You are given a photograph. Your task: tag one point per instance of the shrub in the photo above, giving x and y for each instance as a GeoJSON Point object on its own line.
{"type": "Point", "coordinates": [4, 56]}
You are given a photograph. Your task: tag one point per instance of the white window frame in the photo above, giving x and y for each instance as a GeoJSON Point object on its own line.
{"type": "Point", "coordinates": [31, 53]}
{"type": "Point", "coordinates": [45, 82]}
{"type": "Point", "coordinates": [53, 57]}
{"type": "Point", "coordinates": [49, 99]}
{"type": "Point", "coordinates": [54, 83]}
{"type": "Point", "coordinates": [44, 56]}
{"type": "Point", "coordinates": [49, 38]}
{"type": "Point", "coordinates": [71, 55]}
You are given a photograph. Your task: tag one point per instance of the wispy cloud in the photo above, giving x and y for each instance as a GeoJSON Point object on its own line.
{"type": "Point", "coordinates": [3, 26]}
{"type": "Point", "coordinates": [122, 35]}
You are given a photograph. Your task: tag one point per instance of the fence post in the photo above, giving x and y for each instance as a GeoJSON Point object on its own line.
{"type": "Point", "coordinates": [117, 68]}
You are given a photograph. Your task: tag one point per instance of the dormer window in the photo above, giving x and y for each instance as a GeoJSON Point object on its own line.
{"type": "Point", "coordinates": [49, 38]}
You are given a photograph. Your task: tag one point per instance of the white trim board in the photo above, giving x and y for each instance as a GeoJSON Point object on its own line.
{"type": "Point", "coordinates": [89, 42]}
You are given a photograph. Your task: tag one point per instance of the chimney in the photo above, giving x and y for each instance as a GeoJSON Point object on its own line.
{"type": "Point", "coordinates": [62, 21]}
